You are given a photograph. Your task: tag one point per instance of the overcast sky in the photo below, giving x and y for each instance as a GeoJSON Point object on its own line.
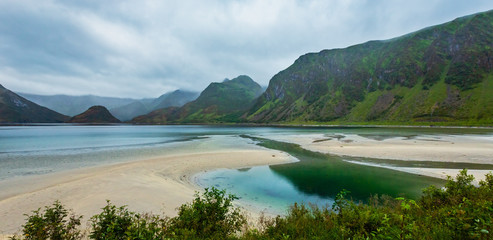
{"type": "Point", "coordinates": [145, 48]}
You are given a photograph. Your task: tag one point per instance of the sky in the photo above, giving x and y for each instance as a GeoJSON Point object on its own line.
{"type": "Point", "coordinates": [144, 48]}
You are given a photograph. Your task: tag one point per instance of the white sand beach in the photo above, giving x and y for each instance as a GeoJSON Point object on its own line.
{"type": "Point", "coordinates": [158, 185]}
{"type": "Point", "coordinates": [440, 148]}
{"type": "Point", "coordinates": [162, 184]}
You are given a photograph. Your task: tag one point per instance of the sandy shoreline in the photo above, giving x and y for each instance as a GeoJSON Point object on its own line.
{"type": "Point", "coordinates": [158, 185]}
{"type": "Point", "coordinates": [440, 148]}
{"type": "Point", "coordinates": [162, 184]}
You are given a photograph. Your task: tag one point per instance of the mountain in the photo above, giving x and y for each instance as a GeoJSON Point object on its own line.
{"type": "Point", "coordinates": [123, 108]}
{"type": "Point", "coordinates": [176, 98]}
{"type": "Point", "coordinates": [16, 109]}
{"type": "Point", "coordinates": [73, 105]}
{"type": "Point", "coordinates": [129, 111]}
{"type": "Point", "coordinates": [442, 73]}
{"type": "Point", "coordinates": [219, 102]}
{"type": "Point", "coordinates": [95, 114]}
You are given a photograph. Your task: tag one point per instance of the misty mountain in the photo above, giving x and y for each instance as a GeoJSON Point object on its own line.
{"type": "Point", "coordinates": [130, 110]}
{"type": "Point", "coordinates": [73, 105]}
{"type": "Point", "coordinates": [123, 108]}
{"type": "Point", "coordinates": [219, 102]}
{"type": "Point", "coordinates": [16, 109]}
{"type": "Point", "coordinates": [176, 98]}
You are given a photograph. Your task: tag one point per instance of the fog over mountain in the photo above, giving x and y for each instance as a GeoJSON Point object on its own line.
{"type": "Point", "coordinates": [142, 49]}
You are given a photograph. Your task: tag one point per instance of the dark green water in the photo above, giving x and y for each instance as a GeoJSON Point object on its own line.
{"type": "Point", "coordinates": [326, 175]}
{"type": "Point", "coordinates": [318, 178]}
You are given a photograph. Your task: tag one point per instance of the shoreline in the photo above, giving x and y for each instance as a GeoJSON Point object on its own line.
{"type": "Point", "coordinates": [158, 185]}
{"type": "Point", "coordinates": [282, 125]}
{"type": "Point", "coordinates": [425, 148]}
{"type": "Point", "coordinates": [161, 184]}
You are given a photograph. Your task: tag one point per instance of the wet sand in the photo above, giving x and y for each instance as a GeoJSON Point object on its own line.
{"type": "Point", "coordinates": [440, 148]}
{"type": "Point", "coordinates": [158, 185]}
{"type": "Point", "coordinates": [162, 184]}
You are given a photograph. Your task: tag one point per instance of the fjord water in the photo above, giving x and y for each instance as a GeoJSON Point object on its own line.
{"type": "Point", "coordinates": [316, 178]}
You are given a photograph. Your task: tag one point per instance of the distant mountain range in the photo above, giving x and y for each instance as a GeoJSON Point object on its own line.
{"type": "Point", "coordinates": [123, 108]}
{"type": "Point", "coordinates": [219, 102]}
{"type": "Point", "coordinates": [177, 98]}
{"type": "Point", "coordinates": [16, 109]}
{"type": "Point", "coordinates": [73, 105]}
{"type": "Point", "coordinates": [95, 114]}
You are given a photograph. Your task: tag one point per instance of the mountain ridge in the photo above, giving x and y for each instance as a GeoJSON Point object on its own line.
{"type": "Point", "coordinates": [95, 115]}
{"type": "Point", "coordinates": [122, 108]}
{"type": "Point", "coordinates": [74, 105]}
{"type": "Point", "coordinates": [16, 109]}
{"type": "Point", "coordinates": [424, 76]}
{"type": "Point", "coordinates": [176, 98]}
{"type": "Point", "coordinates": [219, 102]}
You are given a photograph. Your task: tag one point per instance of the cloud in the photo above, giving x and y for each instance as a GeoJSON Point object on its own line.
{"type": "Point", "coordinates": [145, 48]}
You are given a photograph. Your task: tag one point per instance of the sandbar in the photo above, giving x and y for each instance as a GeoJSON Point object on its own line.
{"type": "Point", "coordinates": [440, 148]}
{"type": "Point", "coordinates": [159, 185]}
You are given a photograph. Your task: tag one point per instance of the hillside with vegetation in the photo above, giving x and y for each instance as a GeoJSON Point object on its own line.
{"type": "Point", "coordinates": [219, 102]}
{"type": "Point", "coordinates": [95, 114]}
{"type": "Point", "coordinates": [442, 74]}
{"type": "Point", "coordinates": [16, 109]}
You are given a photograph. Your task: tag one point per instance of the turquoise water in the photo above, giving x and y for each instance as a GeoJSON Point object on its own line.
{"type": "Point", "coordinates": [315, 178]}
{"type": "Point", "coordinates": [34, 150]}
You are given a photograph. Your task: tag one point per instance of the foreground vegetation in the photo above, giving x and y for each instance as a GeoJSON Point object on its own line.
{"type": "Point", "coordinates": [460, 210]}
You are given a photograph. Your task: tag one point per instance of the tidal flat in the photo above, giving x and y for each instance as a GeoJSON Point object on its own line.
{"type": "Point", "coordinates": [158, 168]}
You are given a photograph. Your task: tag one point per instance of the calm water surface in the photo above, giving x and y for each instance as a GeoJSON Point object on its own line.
{"type": "Point", "coordinates": [315, 177]}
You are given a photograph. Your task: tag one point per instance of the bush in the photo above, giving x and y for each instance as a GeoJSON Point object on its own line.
{"type": "Point", "coordinates": [148, 226]}
{"type": "Point", "coordinates": [120, 223]}
{"type": "Point", "coordinates": [460, 210]}
{"type": "Point", "coordinates": [211, 216]}
{"type": "Point", "coordinates": [54, 223]}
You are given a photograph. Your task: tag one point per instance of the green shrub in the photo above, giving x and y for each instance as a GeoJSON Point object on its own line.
{"type": "Point", "coordinates": [148, 226]}
{"type": "Point", "coordinates": [112, 223]}
{"type": "Point", "coordinates": [460, 210]}
{"type": "Point", "coordinates": [54, 223]}
{"type": "Point", "coordinates": [120, 223]}
{"type": "Point", "coordinates": [211, 216]}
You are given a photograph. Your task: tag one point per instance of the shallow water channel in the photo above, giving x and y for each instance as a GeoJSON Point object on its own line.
{"type": "Point", "coordinates": [317, 178]}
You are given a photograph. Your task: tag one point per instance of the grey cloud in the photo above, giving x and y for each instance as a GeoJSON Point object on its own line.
{"type": "Point", "coordinates": [41, 43]}
{"type": "Point", "coordinates": [145, 48]}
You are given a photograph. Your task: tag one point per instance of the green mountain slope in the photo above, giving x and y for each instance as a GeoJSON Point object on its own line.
{"type": "Point", "coordinates": [16, 109]}
{"type": "Point", "coordinates": [442, 73]}
{"type": "Point", "coordinates": [95, 114]}
{"type": "Point", "coordinates": [219, 102]}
